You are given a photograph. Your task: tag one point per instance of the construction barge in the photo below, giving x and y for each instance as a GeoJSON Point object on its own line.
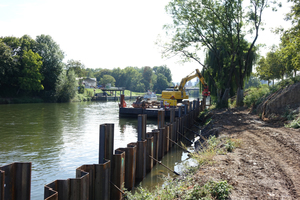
{"type": "Point", "coordinates": [152, 111]}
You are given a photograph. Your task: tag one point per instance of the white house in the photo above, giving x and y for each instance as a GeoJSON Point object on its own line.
{"type": "Point", "coordinates": [88, 82]}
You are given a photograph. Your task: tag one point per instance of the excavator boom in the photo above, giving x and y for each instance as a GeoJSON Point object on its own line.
{"type": "Point", "coordinates": [178, 93]}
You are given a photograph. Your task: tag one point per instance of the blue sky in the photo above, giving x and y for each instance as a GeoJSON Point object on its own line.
{"type": "Point", "coordinates": [107, 34]}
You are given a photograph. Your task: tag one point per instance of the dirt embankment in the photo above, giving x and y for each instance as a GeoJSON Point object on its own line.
{"type": "Point", "coordinates": [266, 166]}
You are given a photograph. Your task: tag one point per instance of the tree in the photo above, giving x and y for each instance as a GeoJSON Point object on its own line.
{"type": "Point", "coordinates": [216, 26]}
{"type": "Point", "coordinates": [21, 65]}
{"type": "Point", "coordinates": [264, 71]}
{"type": "Point", "coordinates": [31, 77]}
{"type": "Point", "coordinates": [253, 81]}
{"type": "Point", "coordinates": [118, 74]}
{"type": "Point", "coordinates": [8, 68]}
{"type": "Point", "coordinates": [52, 57]}
{"type": "Point", "coordinates": [147, 78]}
{"type": "Point", "coordinates": [77, 67]}
{"type": "Point", "coordinates": [289, 49]}
{"type": "Point", "coordinates": [164, 70]}
{"type": "Point", "coordinates": [161, 83]}
{"type": "Point", "coordinates": [107, 79]}
{"type": "Point", "coordinates": [66, 86]}
{"type": "Point", "coordinates": [276, 65]}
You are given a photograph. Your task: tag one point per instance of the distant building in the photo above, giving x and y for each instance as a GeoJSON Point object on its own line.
{"type": "Point", "coordinates": [88, 82]}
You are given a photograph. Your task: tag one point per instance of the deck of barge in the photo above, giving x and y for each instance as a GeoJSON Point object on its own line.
{"type": "Point", "coordinates": [151, 112]}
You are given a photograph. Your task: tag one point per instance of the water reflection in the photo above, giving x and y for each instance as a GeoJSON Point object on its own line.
{"type": "Point", "coordinates": [58, 138]}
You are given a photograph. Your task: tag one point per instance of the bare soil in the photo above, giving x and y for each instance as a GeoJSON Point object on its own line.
{"type": "Point", "coordinates": [265, 166]}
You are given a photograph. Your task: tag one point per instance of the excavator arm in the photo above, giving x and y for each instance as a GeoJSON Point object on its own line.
{"type": "Point", "coordinates": [190, 77]}
{"type": "Point", "coordinates": [178, 93]}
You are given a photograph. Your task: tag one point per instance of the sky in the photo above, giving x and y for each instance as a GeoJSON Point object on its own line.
{"type": "Point", "coordinates": [109, 34]}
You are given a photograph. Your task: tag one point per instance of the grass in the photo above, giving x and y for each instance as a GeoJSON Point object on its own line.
{"type": "Point", "coordinates": [189, 187]}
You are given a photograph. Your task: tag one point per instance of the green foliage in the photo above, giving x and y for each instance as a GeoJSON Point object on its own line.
{"type": "Point", "coordinates": [229, 145]}
{"type": "Point", "coordinates": [107, 79]}
{"type": "Point", "coordinates": [253, 81]}
{"type": "Point", "coordinates": [161, 83]}
{"type": "Point", "coordinates": [164, 70]}
{"type": "Point", "coordinates": [31, 77]}
{"type": "Point", "coordinates": [52, 57]}
{"type": "Point", "coordinates": [147, 78]}
{"type": "Point", "coordinates": [8, 67]}
{"type": "Point", "coordinates": [77, 67]}
{"type": "Point", "coordinates": [219, 190]}
{"type": "Point", "coordinates": [294, 124]}
{"type": "Point", "coordinates": [219, 28]}
{"type": "Point", "coordinates": [66, 86]}
{"type": "Point", "coordinates": [255, 95]}
{"type": "Point", "coordinates": [81, 89]}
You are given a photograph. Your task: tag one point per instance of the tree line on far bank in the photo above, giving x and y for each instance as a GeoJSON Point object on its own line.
{"type": "Point", "coordinates": [35, 68]}
{"type": "Point", "coordinates": [132, 78]}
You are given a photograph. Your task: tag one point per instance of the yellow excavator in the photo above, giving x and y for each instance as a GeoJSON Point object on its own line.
{"type": "Point", "coordinates": [173, 95]}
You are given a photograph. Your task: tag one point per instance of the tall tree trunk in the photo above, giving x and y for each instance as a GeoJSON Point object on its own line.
{"type": "Point", "coordinates": [223, 103]}
{"type": "Point", "coordinates": [240, 97]}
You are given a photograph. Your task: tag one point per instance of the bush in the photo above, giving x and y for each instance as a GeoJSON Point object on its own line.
{"type": "Point", "coordinates": [81, 89]}
{"type": "Point", "coordinates": [219, 190]}
{"type": "Point", "coordinates": [294, 124]}
{"type": "Point", "coordinates": [255, 95]}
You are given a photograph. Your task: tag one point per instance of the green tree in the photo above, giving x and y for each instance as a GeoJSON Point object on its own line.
{"type": "Point", "coordinates": [217, 27]}
{"type": "Point", "coordinates": [289, 49]}
{"type": "Point", "coordinates": [98, 75]}
{"type": "Point", "coordinates": [52, 57]}
{"type": "Point", "coordinates": [8, 68]}
{"type": "Point", "coordinates": [263, 70]}
{"type": "Point", "coordinates": [21, 65]}
{"type": "Point", "coordinates": [164, 70]}
{"type": "Point", "coordinates": [161, 83]}
{"type": "Point", "coordinates": [147, 78]}
{"type": "Point", "coordinates": [107, 79]}
{"type": "Point", "coordinates": [253, 81]}
{"type": "Point", "coordinates": [276, 65]}
{"type": "Point", "coordinates": [77, 67]}
{"type": "Point", "coordinates": [118, 74]}
{"type": "Point", "coordinates": [31, 77]}
{"type": "Point", "coordinates": [66, 86]}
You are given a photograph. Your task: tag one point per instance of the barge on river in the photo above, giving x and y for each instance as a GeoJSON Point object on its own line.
{"type": "Point", "coordinates": [152, 112]}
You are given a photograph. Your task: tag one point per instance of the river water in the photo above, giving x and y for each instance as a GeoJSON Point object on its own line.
{"type": "Point", "coordinates": [58, 138]}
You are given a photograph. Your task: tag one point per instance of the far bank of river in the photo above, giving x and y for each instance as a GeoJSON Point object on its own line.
{"type": "Point", "coordinates": [59, 137]}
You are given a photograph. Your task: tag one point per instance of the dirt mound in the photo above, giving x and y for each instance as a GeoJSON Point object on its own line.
{"type": "Point", "coordinates": [279, 102]}
{"type": "Point", "coordinates": [266, 166]}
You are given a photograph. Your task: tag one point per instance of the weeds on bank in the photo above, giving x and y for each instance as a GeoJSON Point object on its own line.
{"type": "Point", "coordinates": [293, 116]}
{"type": "Point", "coordinates": [189, 187]}
{"type": "Point", "coordinates": [256, 95]}
{"type": "Point", "coordinates": [294, 124]}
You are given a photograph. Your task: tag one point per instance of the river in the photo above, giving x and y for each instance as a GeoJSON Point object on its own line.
{"type": "Point", "coordinates": [58, 138]}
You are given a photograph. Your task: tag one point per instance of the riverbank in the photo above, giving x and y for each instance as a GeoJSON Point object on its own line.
{"type": "Point", "coordinates": [88, 95]}
{"type": "Point", "coordinates": [242, 157]}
